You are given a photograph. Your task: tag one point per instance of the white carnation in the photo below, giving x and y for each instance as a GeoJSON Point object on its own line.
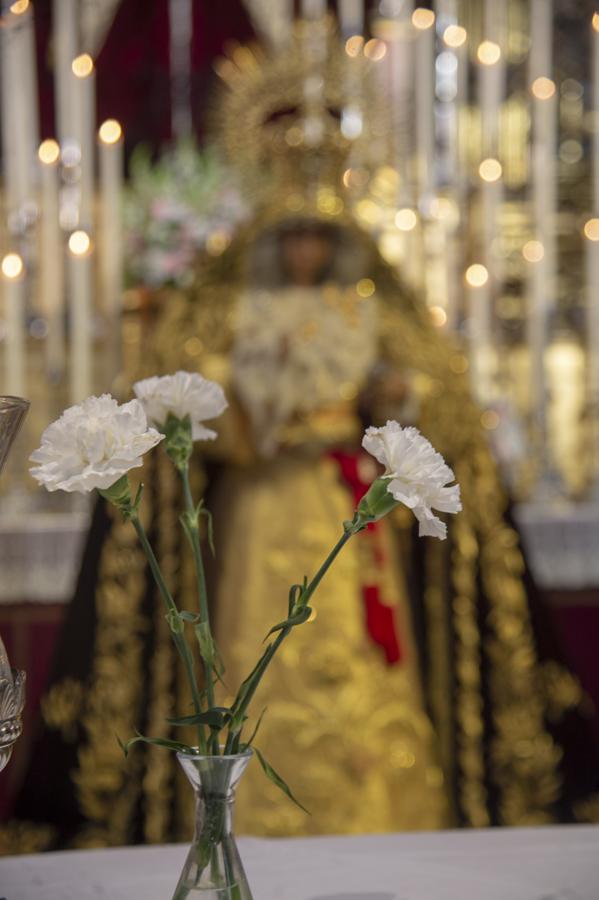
{"type": "Point", "coordinates": [92, 445]}
{"type": "Point", "coordinates": [417, 475]}
{"type": "Point", "coordinates": [182, 394]}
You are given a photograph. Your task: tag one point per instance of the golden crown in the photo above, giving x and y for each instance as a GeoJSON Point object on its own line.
{"type": "Point", "coordinates": [292, 123]}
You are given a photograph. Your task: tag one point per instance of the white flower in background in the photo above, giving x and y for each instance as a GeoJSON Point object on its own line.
{"type": "Point", "coordinates": [416, 474]}
{"type": "Point", "coordinates": [182, 394]}
{"type": "Point", "coordinates": [92, 445]}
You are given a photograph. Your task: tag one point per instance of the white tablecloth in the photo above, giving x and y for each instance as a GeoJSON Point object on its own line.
{"type": "Point", "coordinates": [553, 863]}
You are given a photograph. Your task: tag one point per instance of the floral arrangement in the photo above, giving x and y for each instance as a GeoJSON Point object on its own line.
{"type": "Point", "coordinates": [174, 208]}
{"type": "Point", "coordinates": [93, 446]}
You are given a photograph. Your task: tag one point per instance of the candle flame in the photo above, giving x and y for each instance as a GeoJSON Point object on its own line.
{"type": "Point", "coordinates": [595, 21]}
{"type": "Point", "coordinates": [354, 44]}
{"type": "Point", "coordinates": [455, 36]}
{"type": "Point", "coordinates": [19, 7]}
{"type": "Point", "coordinates": [476, 275]}
{"type": "Point", "coordinates": [375, 49]}
{"type": "Point", "coordinates": [438, 316]}
{"type": "Point", "coordinates": [488, 53]}
{"type": "Point", "coordinates": [79, 243]}
{"type": "Point", "coordinates": [82, 65]}
{"type": "Point", "coordinates": [591, 230]}
{"type": "Point", "coordinates": [110, 131]}
{"type": "Point", "coordinates": [490, 170]}
{"type": "Point", "coordinates": [48, 152]}
{"type": "Point", "coordinates": [533, 251]}
{"type": "Point", "coordinates": [406, 219]}
{"type": "Point", "coordinates": [423, 18]}
{"type": "Point", "coordinates": [12, 266]}
{"type": "Point", "coordinates": [543, 88]}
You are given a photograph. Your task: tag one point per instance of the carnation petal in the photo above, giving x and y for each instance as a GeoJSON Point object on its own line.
{"type": "Point", "coordinates": [430, 525]}
{"type": "Point", "coordinates": [92, 445]}
{"type": "Point", "coordinates": [181, 395]}
{"type": "Point", "coordinates": [417, 474]}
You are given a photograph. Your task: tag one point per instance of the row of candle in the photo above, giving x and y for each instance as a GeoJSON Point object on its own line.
{"type": "Point", "coordinates": [59, 194]}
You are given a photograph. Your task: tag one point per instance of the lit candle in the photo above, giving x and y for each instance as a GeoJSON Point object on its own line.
{"type": "Point", "coordinates": [351, 17]}
{"type": "Point", "coordinates": [591, 233]}
{"type": "Point", "coordinates": [479, 330]}
{"type": "Point", "coordinates": [110, 226]}
{"type": "Point", "coordinates": [29, 105]}
{"type": "Point", "coordinates": [313, 9]}
{"type": "Point", "coordinates": [423, 21]}
{"type": "Point", "coordinates": [14, 316]}
{"type": "Point", "coordinates": [64, 32]}
{"type": "Point", "coordinates": [84, 126]}
{"type": "Point", "coordinates": [51, 272]}
{"type": "Point", "coordinates": [544, 206]}
{"type": "Point", "coordinates": [454, 38]}
{"type": "Point", "coordinates": [19, 105]}
{"type": "Point", "coordinates": [491, 76]}
{"type": "Point", "coordinates": [80, 315]}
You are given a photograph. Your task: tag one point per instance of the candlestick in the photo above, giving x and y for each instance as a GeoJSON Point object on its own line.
{"type": "Point", "coordinates": [51, 276]}
{"type": "Point", "coordinates": [64, 31]}
{"type": "Point", "coordinates": [542, 283]}
{"type": "Point", "coordinates": [110, 231]}
{"type": "Point", "coordinates": [84, 128]}
{"type": "Point", "coordinates": [80, 312]}
{"type": "Point", "coordinates": [13, 284]}
{"type": "Point", "coordinates": [479, 330]}
{"type": "Point", "coordinates": [313, 9]}
{"type": "Point", "coordinates": [19, 109]}
{"type": "Point", "coordinates": [351, 17]}
{"type": "Point", "coordinates": [591, 233]}
{"type": "Point", "coordinates": [423, 21]}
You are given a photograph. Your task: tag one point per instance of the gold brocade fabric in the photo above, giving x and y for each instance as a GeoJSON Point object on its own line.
{"type": "Point", "coordinates": [347, 732]}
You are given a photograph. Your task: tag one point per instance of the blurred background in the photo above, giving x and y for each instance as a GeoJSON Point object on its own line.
{"type": "Point", "coordinates": [478, 183]}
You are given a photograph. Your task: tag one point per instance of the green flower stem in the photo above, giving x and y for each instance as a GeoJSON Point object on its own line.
{"type": "Point", "coordinates": [239, 710]}
{"type": "Point", "coordinates": [193, 534]}
{"type": "Point", "coordinates": [178, 638]}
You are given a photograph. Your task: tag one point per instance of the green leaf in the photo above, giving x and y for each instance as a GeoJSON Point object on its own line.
{"type": "Point", "coordinates": [301, 616]}
{"type": "Point", "coordinates": [277, 780]}
{"type": "Point", "coordinates": [293, 592]}
{"type": "Point", "coordinates": [208, 649]}
{"type": "Point", "coordinates": [215, 718]}
{"type": "Point", "coordinates": [202, 511]}
{"type": "Point", "coordinates": [249, 742]}
{"type": "Point", "coordinates": [157, 742]}
{"type": "Point", "coordinates": [245, 687]}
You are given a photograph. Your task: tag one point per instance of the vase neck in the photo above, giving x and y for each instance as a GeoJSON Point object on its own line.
{"type": "Point", "coordinates": [214, 814]}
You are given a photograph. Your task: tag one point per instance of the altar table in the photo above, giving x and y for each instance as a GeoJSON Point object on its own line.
{"type": "Point", "coordinates": [552, 863]}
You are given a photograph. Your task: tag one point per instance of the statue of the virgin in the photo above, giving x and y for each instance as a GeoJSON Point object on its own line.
{"type": "Point", "coordinates": [418, 698]}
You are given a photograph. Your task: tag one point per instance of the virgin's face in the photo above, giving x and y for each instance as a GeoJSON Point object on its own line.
{"type": "Point", "coordinates": [306, 255]}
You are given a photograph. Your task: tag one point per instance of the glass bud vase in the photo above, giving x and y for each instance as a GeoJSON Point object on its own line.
{"type": "Point", "coordinates": [213, 869]}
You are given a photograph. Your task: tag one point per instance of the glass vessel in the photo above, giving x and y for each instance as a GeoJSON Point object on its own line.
{"type": "Point", "coordinates": [12, 412]}
{"type": "Point", "coordinates": [213, 869]}
{"type": "Point", "coordinates": [12, 701]}
{"type": "Point", "coordinates": [12, 682]}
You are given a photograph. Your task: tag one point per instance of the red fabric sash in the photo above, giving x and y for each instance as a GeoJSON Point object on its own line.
{"type": "Point", "coordinates": [380, 618]}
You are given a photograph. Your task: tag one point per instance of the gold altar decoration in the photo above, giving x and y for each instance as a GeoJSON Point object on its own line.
{"type": "Point", "coordinates": [371, 204]}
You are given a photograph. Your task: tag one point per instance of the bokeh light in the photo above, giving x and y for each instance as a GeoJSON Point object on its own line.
{"type": "Point", "coordinates": [454, 36]}
{"type": "Point", "coordinates": [476, 275]}
{"type": "Point", "coordinates": [79, 243]}
{"type": "Point", "coordinates": [48, 152]}
{"type": "Point", "coordinates": [110, 131]}
{"type": "Point", "coordinates": [406, 219]}
{"type": "Point", "coordinates": [12, 266]}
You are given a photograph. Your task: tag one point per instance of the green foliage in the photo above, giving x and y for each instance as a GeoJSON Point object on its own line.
{"type": "Point", "coordinates": [277, 780]}
{"type": "Point", "coordinates": [177, 746]}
